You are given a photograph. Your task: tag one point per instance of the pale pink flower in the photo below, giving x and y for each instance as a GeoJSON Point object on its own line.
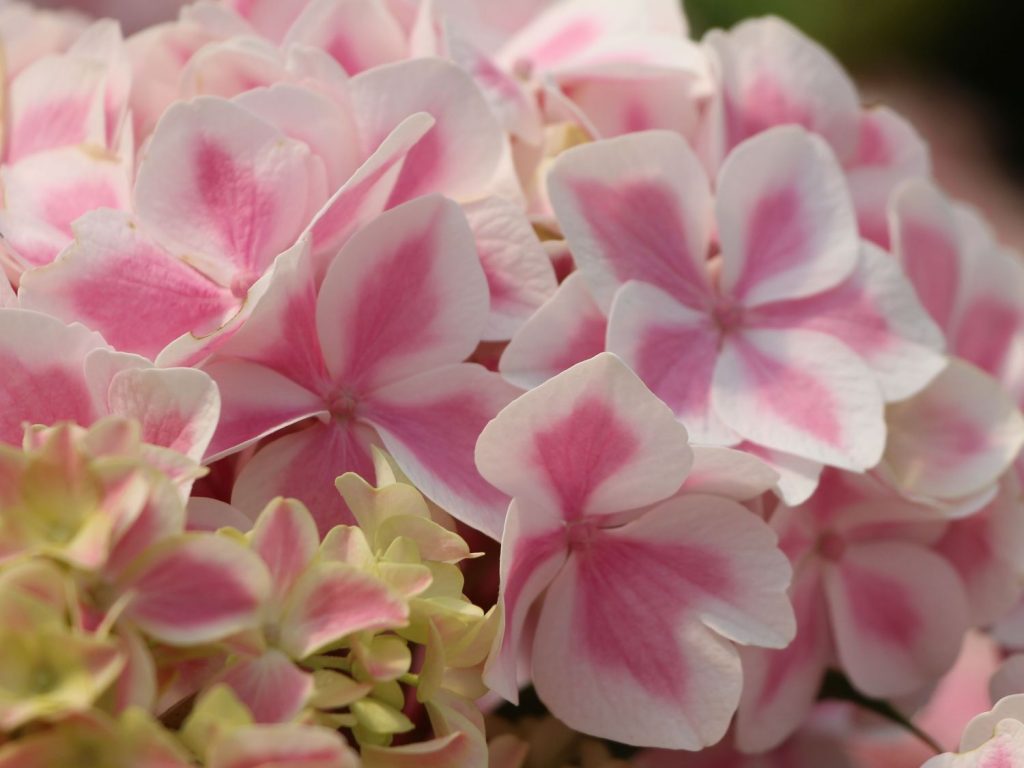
{"type": "Point", "coordinates": [28, 33]}
{"type": "Point", "coordinates": [991, 740]}
{"type": "Point", "coordinates": [67, 147]}
{"type": "Point", "coordinates": [953, 441]}
{"type": "Point", "coordinates": [640, 596]}
{"type": "Point", "coordinates": [55, 372]}
{"type": "Point", "coordinates": [791, 338]}
{"type": "Point", "coordinates": [872, 596]}
{"type": "Point", "coordinates": [375, 354]}
{"type": "Point", "coordinates": [987, 550]}
{"type": "Point", "coordinates": [611, 67]}
{"type": "Point", "coordinates": [767, 73]}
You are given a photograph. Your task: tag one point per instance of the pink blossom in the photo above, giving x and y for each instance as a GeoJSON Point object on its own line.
{"type": "Point", "coordinates": [375, 354]}
{"type": "Point", "coordinates": [55, 372]}
{"type": "Point", "coordinates": [956, 438]}
{"type": "Point", "coordinates": [67, 147]}
{"type": "Point", "coordinates": [872, 596]}
{"type": "Point", "coordinates": [792, 305]}
{"type": "Point", "coordinates": [767, 73]}
{"type": "Point", "coordinates": [609, 67]}
{"type": "Point", "coordinates": [639, 594]}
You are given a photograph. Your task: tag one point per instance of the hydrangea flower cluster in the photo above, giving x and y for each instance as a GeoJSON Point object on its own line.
{"type": "Point", "coordinates": [304, 302]}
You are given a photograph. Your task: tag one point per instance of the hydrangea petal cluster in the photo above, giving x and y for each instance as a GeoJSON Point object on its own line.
{"type": "Point", "coordinates": [592, 461]}
{"type": "Point", "coordinates": [303, 303]}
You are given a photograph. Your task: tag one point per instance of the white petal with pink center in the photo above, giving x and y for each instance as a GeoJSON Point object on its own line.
{"type": "Point", "coordinates": [770, 74]}
{"type": "Point", "coordinates": [666, 590]}
{"type": "Point", "coordinates": [377, 356]}
{"type": "Point", "coordinates": [566, 329]}
{"type": "Point", "coordinates": [794, 303]}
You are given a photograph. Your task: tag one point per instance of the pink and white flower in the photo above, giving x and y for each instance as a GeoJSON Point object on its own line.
{"type": "Point", "coordinates": [954, 440]}
{"type": "Point", "coordinates": [872, 595]}
{"type": "Point", "coordinates": [767, 73]}
{"type": "Point", "coordinates": [55, 372]}
{"type": "Point", "coordinates": [783, 330]}
{"type": "Point", "coordinates": [375, 355]}
{"type": "Point", "coordinates": [640, 594]}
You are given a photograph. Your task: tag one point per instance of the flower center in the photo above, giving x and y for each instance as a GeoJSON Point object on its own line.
{"type": "Point", "coordinates": [727, 317]}
{"type": "Point", "coordinates": [579, 534]}
{"type": "Point", "coordinates": [832, 546]}
{"type": "Point", "coordinates": [343, 406]}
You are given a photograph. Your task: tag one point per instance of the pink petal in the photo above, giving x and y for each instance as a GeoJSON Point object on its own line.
{"type": "Point", "coordinates": [798, 478]}
{"type": "Point", "coordinates": [771, 74]}
{"type": "Point", "coordinates": [785, 220]}
{"type": "Point", "coordinates": [591, 441]}
{"type": "Point", "coordinates": [177, 408]}
{"type": "Point", "coordinates": [954, 438]}
{"type": "Point", "coordinates": [229, 67]}
{"type": "Point", "coordinates": [272, 687]}
{"type": "Point", "coordinates": [55, 102]}
{"type": "Point", "coordinates": [619, 105]}
{"type": "Point", "coordinates": [49, 191]}
{"type": "Point", "coordinates": [563, 33]}
{"type": "Point", "coordinates": [8, 298]}
{"type": "Point", "coordinates": [303, 466]}
{"type": "Point", "coordinates": [781, 686]}
{"type": "Point", "coordinates": [367, 192]}
{"type": "Point", "coordinates": [509, 99]}
{"type": "Point", "coordinates": [989, 323]}
{"type": "Point", "coordinates": [460, 154]}
{"type": "Point", "coordinates": [359, 35]}
{"type": "Point", "coordinates": [889, 153]}
{"type": "Point", "coordinates": [287, 744]}
{"type": "Point", "coordinates": [734, 474]}
{"type": "Point", "coordinates": [405, 294]}
{"type": "Point", "coordinates": [533, 551]}
{"type": "Point", "coordinates": [430, 424]}
{"type": "Point", "coordinates": [567, 329]}
{"type": "Point", "coordinates": [519, 273]}
{"type": "Point", "coordinates": [196, 347]}
{"type": "Point", "coordinates": [285, 536]}
{"type": "Point", "coordinates": [224, 188]}
{"type": "Point", "coordinates": [211, 515]}
{"type": "Point", "coordinates": [123, 284]}
{"type": "Point", "coordinates": [332, 601]}
{"type": "Point", "coordinates": [899, 613]}
{"type": "Point", "coordinates": [674, 350]}
{"type": "Point", "coordinates": [985, 548]}
{"type": "Point", "coordinates": [44, 381]}
{"type": "Point", "coordinates": [193, 590]}
{"type": "Point", "coordinates": [324, 125]}
{"type": "Point", "coordinates": [257, 402]}
{"type": "Point", "coordinates": [636, 208]}
{"type": "Point", "coordinates": [803, 393]}
{"type": "Point", "coordinates": [631, 643]}
{"type": "Point", "coordinates": [876, 313]}
{"type": "Point", "coordinates": [925, 239]}
{"type": "Point", "coordinates": [268, 17]}
{"type": "Point", "coordinates": [280, 332]}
